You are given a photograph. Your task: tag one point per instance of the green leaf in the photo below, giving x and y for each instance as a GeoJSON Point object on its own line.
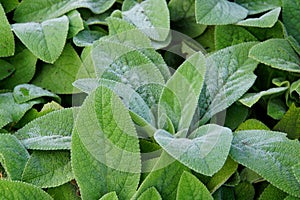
{"type": "Point", "coordinates": [290, 123]}
{"type": "Point", "coordinates": [244, 190]}
{"type": "Point", "coordinates": [189, 187]}
{"type": "Point", "coordinates": [87, 37]}
{"type": "Point", "coordinates": [58, 77]}
{"type": "Point", "coordinates": [124, 64]}
{"type": "Point", "coordinates": [48, 169]}
{"type": "Point", "coordinates": [150, 193]}
{"type": "Point", "coordinates": [262, 34]}
{"type": "Point", "coordinates": [49, 132]}
{"type": "Point", "coordinates": [259, 6]}
{"type": "Point", "coordinates": [24, 63]}
{"type": "Point", "coordinates": [24, 191]}
{"type": "Point", "coordinates": [229, 35]}
{"type": "Point", "coordinates": [105, 147]}
{"type": "Point", "coordinates": [276, 108]}
{"type": "Point", "coordinates": [6, 69]}
{"type": "Point", "coordinates": [11, 111]}
{"type": "Point", "coordinates": [164, 176]}
{"type": "Point", "coordinates": [151, 17]}
{"type": "Point", "coordinates": [75, 23]}
{"type": "Point", "coordinates": [294, 43]}
{"type": "Point", "coordinates": [252, 124]}
{"type": "Point", "coordinates": [250, 176]}
{"type": "Point", "coordinates": [278, 53]}
{"type": "Point", "coordinates": [270, 154]}
{"type": "Point", "coordinates": [290, 13]}
{"type": "Point", "coordinates": [291, 198]}
{"type": "Point", "coordinates": [224, 193]}
{"type": "Point", "coordinates": [272, 193]}
{"type": "Point", "coordinates": [235, 115]}
{"type": "Point", "coordinates": [218, 179]}
{"type": "Point", "coordinates": [7, 42]}
{"type": "Point", "coordinates": [45, 40]}
{"type": "Point", "coordinates": [110, 196]}
{"type": "Point", "coordinates": [219, 12]}
{"type": "Point", "coordinates": [9, 5]}
{"type": "Point", "coordinates": [249, 99]}
{"type": "Point", "coordinates": [13, 156]}
{"type": "Point", "coordinates": [29, 10]}
{"type": "Point", "coordinates": [183, 13]}
{"type": "Point", "coordinates": [26, 92]}
{"type": "Point", "coordinates": [295, 90]}
{"type": "Point", "coordinates": [205, 150]}
{"type": "Point", "coordinates": [179, 98]}
{"type": "Point", "coordinates": [63, 192]}
{"type": "Point", "coordinates": [267, 20]}
{"type": "Point", "coordinates": [228, 77]}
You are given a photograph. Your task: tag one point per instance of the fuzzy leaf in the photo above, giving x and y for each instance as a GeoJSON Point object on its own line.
{"type": "Point", "coordinates": [290, 122]}
{"type": "Point", "coordinates": [219, 12]}
{"type": "Point", "coordinates": [13, 156]}
{"type": "Point", "coordinates": [29, 10]}
{"type": "Point", "coordinates": [228, 77]}
{"type": "Point", "coordinates": [75, 23]}
{"type": "Point", "coordinates": [6, 69]}
{"type": "Point", "coordinates": [205, 150]}
{"type": "Point", "coordinates": [151, 17]}
{"type": "Point", "coordinates": [63, 192]}
{"type": "Point", "coordinates": [45, 40]}
{"type": "Point", "coordinates": [49, 132]}
{"type": "Point", "coordinates": [150, 193]}
{"type": "Point", "coordinates": [105, 144]}
{"type": "Point", "coordinates": [179, 98]}
{"type": "Point", "coordinates": [229, 35]}
{"type": "Point", "coordinates": [109, 196]}
{"type": "Point", "coordinates": [278, 53]}
{"type": "Point", "coordinates": [7, 42]}
{"type": "Point", "coordinates": [265, 21]}
{"type": "Point", "coordinates": [26, 92]}
{"type": "Point", "coordinates": [259, 6]}
{"type": "Point", "coordinates": [271, 155]}
{"type": "Point", "coordinates": [272, 193]}
{"type": "Point", "coordinates": [58, 77]}
{"type": "Point", "coordinates": [290, 15]}
{"type": "Point", "coordinates": [20, 190]}
{"type": "Point", "coordinates": [189, 187]}
{"type": "Point", "coordinates": [24, 63]}
{"type": "Point", "coordinates": [9, 5]}
{"type": "Point", "coordinates": [48, 169]}
{"type": "Point", "coordinates": [249, 99]}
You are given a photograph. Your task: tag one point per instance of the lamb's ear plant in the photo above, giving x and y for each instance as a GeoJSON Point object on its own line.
{"type": "Point", "coordinates": [152, 99]}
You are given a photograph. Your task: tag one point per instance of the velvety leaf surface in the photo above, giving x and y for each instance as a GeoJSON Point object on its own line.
{"type": "Point", "coordinates": [151, 17]}
{"type": "Point", "coordinates": [59, 76]}
{"type": "Point", "coordinates": [63, 192]}
{"type": "Point", "coordinates": [179, 98]}
{"type": "Point", "coordinates": [189, 187]}
{"type": "Point", "coordinates": [290, 15]}
{"type": "Point", "coordinates": [45, 40]}
{"type": "Point", "coordinates": [30, 10]}
{"type": "Point", "coordinates": [110, 196]}
{"type": "Point", "coordinates": [6, 69]}
{"type": "Point", "coordinates": [290, 123]}
{"type": "Point", "coordinates": [19, 190]}
{"type": "Point", "coordinates": [25, 92]}
{"type": "Point", "coordinates": [49, 132]}
{"type": "Point", "coordinates": [24, 63]}
{"type": "Point", "coordinates": [7, 42]}
{"type": "Point", "coordinates": [48, 169]}
{"type": "Point", "coordinates": [204, 151]}
{"type": "Point", "coordinates": [13, 156]}
{"type": "Point", "coordinates": [278, 53]}
{"type": "Point", "coordinates": [75, 23]}
{"type": "Point", "coordinates": [270, 154]}
{"type": "Point", "coordinates": [272, 193]}
{"type": "Point", "coordinates": [105, 147]}
{"type": "Point", "coordinates": [265, 21]}
{"type": "Point", "coordinates": [228, 77]}
{"type": "Point", "coordinates": [150, 193]}
{"type": "Point", "coordinates": [259, 6]}
{"type": "Point", "coordinates": [219, 12]}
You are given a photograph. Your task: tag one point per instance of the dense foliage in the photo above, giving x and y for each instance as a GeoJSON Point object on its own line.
{"type": "Point", "coordinates": [154, 99]}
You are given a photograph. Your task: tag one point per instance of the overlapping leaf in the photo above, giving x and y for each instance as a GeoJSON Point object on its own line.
{"type": "Point", "coordinates": [270, 154]}
{"type": "Point", "coordinates": [205, 150]}
{"type": "Point", "coordinates": [49, 132]}
{"type": "Point", "coordinates": [105, 144]}
{"type": "Point", "coordinates": [7, 42]}
{"type": "Point", "coordinates": [30, 10]}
